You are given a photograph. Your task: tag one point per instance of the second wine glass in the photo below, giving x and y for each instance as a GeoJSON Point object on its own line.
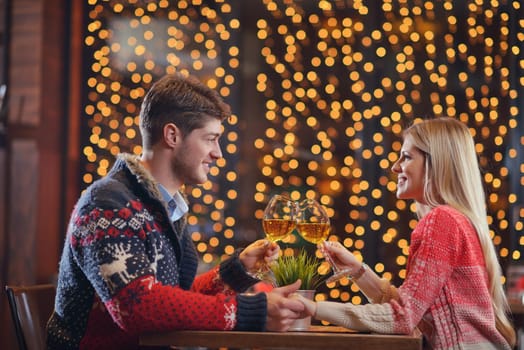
{"type": "Point", "coordinates": [313, 225]}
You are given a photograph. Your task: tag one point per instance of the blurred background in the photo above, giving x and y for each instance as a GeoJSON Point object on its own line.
{"type": "Point", "coordinates": [320, 91]}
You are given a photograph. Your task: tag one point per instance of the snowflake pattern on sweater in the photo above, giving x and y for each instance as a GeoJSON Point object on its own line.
{"type": "Point", "coordinates": [127, 269]}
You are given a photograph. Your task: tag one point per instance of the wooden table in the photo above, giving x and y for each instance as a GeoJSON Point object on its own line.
{"type": "Point", "coordinates": [317, 337]}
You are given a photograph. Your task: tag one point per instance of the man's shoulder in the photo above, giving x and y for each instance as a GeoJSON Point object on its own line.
{"type": "Point", "coordinates": [105, 193]}
{"type": "Point", "coordinates": [125, 185]}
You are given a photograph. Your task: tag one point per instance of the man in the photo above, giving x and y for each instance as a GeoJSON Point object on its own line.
{"type": "Point", "coordinates": [129, 263]}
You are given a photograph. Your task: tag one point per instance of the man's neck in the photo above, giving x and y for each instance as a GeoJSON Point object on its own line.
{"type": "Point", "coordinates": [160, 169]}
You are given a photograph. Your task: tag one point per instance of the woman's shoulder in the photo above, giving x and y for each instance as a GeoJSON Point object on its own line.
{"type": "Point", "coordinates": [447, 220]}
{"type": "Point", "coordinates": [447, 213]}
{"type": "Point", "coordinates": [443, 228]}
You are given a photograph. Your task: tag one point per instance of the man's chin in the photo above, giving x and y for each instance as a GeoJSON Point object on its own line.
{"type": "Point", "coordinates": [196, 182]}
{"type": "Point", "coordinates": [201, 180]}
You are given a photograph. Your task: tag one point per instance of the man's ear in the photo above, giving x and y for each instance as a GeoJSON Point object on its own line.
{"type": "Point", "coordinates": [172, 135]}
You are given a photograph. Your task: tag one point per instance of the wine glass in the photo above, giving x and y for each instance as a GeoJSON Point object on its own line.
{"type": "Point", "coordinates": [313, 225]}
{"type": "Point", "coordinates": [278, 221]}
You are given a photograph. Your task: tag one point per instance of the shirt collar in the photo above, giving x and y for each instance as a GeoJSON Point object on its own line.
{"type": "Point", "coordinates": [176, 205]}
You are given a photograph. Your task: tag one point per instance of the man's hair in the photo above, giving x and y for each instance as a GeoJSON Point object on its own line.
{"type": "Point", "coordinates": [182, 100]}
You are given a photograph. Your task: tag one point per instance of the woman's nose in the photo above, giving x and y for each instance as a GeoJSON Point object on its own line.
{"type": "Point", "coordinates": [396, 167]}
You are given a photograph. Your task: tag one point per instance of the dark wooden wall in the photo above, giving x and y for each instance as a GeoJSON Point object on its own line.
{"type": "Point", "coordinates": [35, 156]}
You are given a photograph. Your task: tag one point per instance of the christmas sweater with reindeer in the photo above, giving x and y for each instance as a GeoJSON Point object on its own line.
{"type": "Point", "coordinates": [127, 269]}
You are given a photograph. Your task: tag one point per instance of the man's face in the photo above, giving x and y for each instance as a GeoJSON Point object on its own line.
{"type": "Point", "coordinates": [196, 153]}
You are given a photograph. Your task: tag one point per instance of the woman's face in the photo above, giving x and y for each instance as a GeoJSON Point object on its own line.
{"type": "Point", "coordinates": [410, 172]}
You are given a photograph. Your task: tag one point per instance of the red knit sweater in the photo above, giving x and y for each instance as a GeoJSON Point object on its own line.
{"type": "Point", "coordinates": [445, 292]}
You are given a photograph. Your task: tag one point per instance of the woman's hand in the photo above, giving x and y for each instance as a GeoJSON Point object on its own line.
{"type": "Point", "coordinates": [259, 254]}
{"type": "Point", "coordinates": [341, 257]}
{"type": "Point", "coordinates": [310, 307]}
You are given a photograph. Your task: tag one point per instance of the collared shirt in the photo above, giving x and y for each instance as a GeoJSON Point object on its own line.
{"type": "Point", "coordinates": [176, 205]}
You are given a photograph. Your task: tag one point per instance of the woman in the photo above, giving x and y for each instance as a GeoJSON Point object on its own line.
{"type": "Point", "coordinates": [452, 290]}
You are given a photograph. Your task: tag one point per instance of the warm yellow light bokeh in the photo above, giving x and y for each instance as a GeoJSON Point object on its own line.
{"type": "Point", "coordinates": [336, 89]}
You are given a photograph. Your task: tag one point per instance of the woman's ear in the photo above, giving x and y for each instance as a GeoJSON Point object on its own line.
{"type": "Point", "coordinates": [171, 135]}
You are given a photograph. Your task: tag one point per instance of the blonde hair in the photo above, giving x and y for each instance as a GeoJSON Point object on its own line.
{"type": "Point", "coordinates": [453, 177]}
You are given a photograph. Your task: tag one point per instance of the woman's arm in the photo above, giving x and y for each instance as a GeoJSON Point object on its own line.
{"type": "Point", "coordinates": [376, 289]}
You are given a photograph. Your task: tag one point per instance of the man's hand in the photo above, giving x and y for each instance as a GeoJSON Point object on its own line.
{"type": "Point", "coordinates": [281, 309]}
{"type": "Point", "coordinates": [259, 254]}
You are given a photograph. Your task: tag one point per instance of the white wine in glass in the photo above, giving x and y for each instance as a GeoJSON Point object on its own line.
{"type": "Point", "coordinates": [313, 232]}
{"type": "Point", "coordinates": [278, 222]}
{"type": "Point", "coordinates": [280, 217]}
{"type": "Point", "coordinates": [313, 225]}
{"type": "Point", "coordinates": [277, 229]}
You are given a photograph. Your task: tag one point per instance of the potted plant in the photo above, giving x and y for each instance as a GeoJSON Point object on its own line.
{"type": "Point", "coordinates": [288, 269]}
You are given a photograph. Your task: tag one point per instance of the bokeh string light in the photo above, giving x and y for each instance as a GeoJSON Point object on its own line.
{"type": "Point", "coordinates": [339, 80]}
{"type": "Point", "coordinates": [343, 79]}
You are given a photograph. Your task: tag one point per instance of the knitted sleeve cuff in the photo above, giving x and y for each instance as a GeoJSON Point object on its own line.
{"type": "Point", "coordinates": [333, 313]}
{"type": "Point", "coordinates": [252, 312]}
{"type": "Point", "coordinates": [378, 318]}
{"type": "Point", "coordinates": [233, 273]}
